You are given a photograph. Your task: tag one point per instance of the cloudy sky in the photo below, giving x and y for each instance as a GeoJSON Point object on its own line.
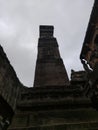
{"type": "Point", "coordinates": [19, 31]}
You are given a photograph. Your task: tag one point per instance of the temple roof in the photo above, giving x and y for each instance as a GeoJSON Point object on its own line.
{"type": "Point", "coordinates": [90, 29]}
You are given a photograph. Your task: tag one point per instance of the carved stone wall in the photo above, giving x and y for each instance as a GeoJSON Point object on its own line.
{"type": "Point", "coordinates": [90, 46]}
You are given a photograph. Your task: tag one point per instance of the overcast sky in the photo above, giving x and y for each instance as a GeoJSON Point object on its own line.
{"type": "Point", "coordinates": [19, 31]}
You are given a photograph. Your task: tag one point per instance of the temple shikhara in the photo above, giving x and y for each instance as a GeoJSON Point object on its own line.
{"type": "Point", "coordinates": [54, 102]}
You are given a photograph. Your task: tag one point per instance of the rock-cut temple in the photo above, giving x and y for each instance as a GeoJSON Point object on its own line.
{"type": "Point", "coordinates": [54, 102]}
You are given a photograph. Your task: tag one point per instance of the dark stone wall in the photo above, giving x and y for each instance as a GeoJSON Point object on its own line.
{"type": "Point", "coordinates": [89, 52]}
{"type": "Point", "coordinates": [64, 119]}
{"type": "Point", "coordinates": [9, 86]}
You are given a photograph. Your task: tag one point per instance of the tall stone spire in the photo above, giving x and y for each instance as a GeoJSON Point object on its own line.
{"type": "Point", "coordinates": [50, 70]}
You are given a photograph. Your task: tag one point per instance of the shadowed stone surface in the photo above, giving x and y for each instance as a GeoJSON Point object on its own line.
{"type": "Point", "coordinates": [9, 90]}
{"type": "Point", "coordinates": [54, 103]}
{"type": "Point", "coordinates": [50, 70]}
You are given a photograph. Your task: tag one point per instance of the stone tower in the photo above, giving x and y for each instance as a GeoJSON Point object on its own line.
{"type": "Point", "coordinates": [50, 70]}
{"type": "Point", "coordinates": [53, 103]}
{"type": "Point", "coordinates": [49, 105]}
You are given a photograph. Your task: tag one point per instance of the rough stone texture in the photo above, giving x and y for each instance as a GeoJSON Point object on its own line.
{"type": "Point", "coordinates": [57, 119]}
{"type": "Point", "coordinates": [9, 89]}
{"type": "Point", "coordinates": [90, 46]}
{"type": "Point", "coordinates": [89, 55]}
{"type": "Point", "coordinates": [40, 109]}
{"type": "Point", "coordinates": [79, 78]}
{"type": "Point", "coordinates": [53, 103]}
{"type": "Point", "coordinates": [9, 83]}
{"type": "Point", "coordinates": [50, 70]}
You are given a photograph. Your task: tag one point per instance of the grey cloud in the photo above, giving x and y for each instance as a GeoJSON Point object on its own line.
{"type": "Point", "coordinates": [19, 31]}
